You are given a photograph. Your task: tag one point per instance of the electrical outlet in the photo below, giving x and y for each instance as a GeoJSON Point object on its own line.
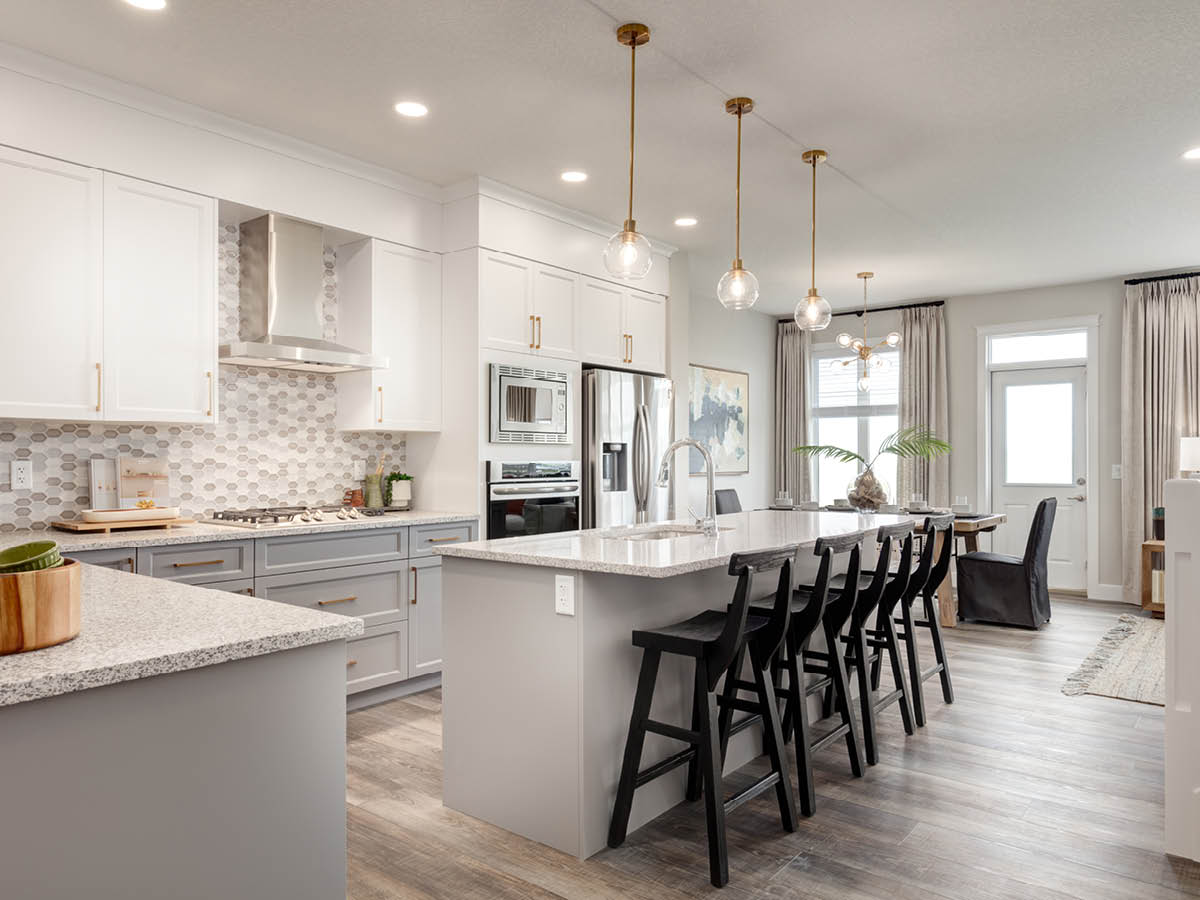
{"type": "Point", "coordinates": [20, 475]}
{"type": "Point", "coordinates": [564, 595]}
{"type": "Point", "coordinates": [360, 469]}
{"type": "Point", "coordinates": [1116, 471]}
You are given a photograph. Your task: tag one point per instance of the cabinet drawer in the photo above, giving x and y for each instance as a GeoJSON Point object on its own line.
{"type": "Point", "coordinates": [238, 586]}
{"type": "Point", "coordinates": [123, 559]}
{"type": "Point", "coordinates": [376, 593]}
{"type": "Point", "coordinates": [377, 658]}
{"type": "Point", "coordinates": [198, 563]}
{"type": "Point", "coordinates": [302, 552]}
{"type": "Point", "coordinates": [425, 538]}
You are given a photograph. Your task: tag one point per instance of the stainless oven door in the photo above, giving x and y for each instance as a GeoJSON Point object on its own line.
{"type": "Point", "coordinates": [526, 508]}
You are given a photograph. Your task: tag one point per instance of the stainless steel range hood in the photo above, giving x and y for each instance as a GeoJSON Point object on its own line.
{"type": "Point", "coordinates": [281, 293]}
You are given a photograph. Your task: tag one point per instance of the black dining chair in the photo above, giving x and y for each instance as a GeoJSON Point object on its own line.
{"type": "Point", "coordinates": [727, 501]}
{"type": "Point", "coordinates": [1010, 590]}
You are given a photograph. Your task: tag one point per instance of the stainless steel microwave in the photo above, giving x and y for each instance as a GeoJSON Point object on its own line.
{"type": "Point", "coordinates": [530, 406]}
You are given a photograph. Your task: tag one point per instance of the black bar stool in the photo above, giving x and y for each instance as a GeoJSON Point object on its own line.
{"type": "Point", "coordinates": [717, 641]}
{"type": "Point", "coordinates": [865, 646]}
{"type": "Point", "coordinates": [929, 574]}
{"type": "Point", "coordinates": [814, 607]}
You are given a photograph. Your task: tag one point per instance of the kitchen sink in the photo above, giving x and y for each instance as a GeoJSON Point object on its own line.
{"type": "Point", "coordinates": [657, 532]}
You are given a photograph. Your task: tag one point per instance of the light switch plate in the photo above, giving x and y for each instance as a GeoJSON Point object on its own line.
{"type": "Point", "coordinates": [20, 475]}
{"type": "Point", "coordinates": [1116, 471]}
{"type": "Point", "coordinates": [564, 595]}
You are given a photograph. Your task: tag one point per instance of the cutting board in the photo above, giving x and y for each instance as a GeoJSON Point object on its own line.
{"type": "Point", "coordinates": [107, 527]}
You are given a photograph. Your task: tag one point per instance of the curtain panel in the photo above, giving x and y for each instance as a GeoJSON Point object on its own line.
{"type": "Point", "coordinates": [1160, 403]}
{"type": "Point", "coordinates": [924, 401]}
{"type": "Point", "coordinates": [793, 400]}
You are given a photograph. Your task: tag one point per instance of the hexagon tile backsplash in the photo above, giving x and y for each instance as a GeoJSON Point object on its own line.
{"type": "Point", "coordinates": [275, 442]}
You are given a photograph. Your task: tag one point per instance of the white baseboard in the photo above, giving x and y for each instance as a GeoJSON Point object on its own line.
{"type": "Point", "coordinates": [1112, 593]}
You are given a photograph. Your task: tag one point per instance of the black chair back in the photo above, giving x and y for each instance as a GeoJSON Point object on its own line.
{"type": "Point", "coordinates": [941, 566]}
{"type": "Point", "coordinates": [727, 501]}
{"type": "Point", "coordinates": [883, 590]}
{"type": "Point", "coordinates": [806, 620]}
{"type": "Point", "coordinates": [1037, 548]}
{"type": "Point", "coordinates": [745, 566]}
{"type": "Point", "coordinates": [840, 607]}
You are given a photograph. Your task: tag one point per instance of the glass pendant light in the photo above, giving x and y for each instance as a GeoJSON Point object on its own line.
{"type": "Point", "coordinates": [738, 288]}
{"type": "Point", "coordinates": [813, 313]}
{"type": "Point", "coordinates": [627, 255]}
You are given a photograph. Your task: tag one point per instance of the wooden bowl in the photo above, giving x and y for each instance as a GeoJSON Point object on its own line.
{"type": "Point", "coordinates": [39, 609]}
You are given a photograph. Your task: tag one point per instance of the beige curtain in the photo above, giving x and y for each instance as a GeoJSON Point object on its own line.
{"type": "Point", "coordinates": [1160, 403]}
{"type": "Point", "coordinates": [793, 377]}
{"type": "Point", "coordinates": [924, 401]}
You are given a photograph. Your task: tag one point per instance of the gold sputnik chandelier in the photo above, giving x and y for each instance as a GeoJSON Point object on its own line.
{"type": "Point", "coordinates": [863, 351]}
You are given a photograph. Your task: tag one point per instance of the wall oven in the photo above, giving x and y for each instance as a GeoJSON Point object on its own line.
{"type": "Point", "coordinates": [532, 498]}
{"type": "Point", "coordinates": [530, 406]}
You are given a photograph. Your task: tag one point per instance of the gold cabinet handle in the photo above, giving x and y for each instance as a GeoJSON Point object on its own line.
{"type": "Point", "coordinates": [413, 601]}
{"type": "Point", "coordinates": [539, 333]}
{"type": "Point", "coordinates": [381, 404]}
{"type": "Point", "coordinates": [203, 562]}
{"type": "Point", "coordinates": [351, 662]}
{"type": "Point", "coordinates": [532, 342]}
{"type": "Point", "coordinates": [630, 349]}
{"type": "Point", "coordinates": [444, 540]}
{"type": "Point", "coordinates": [99, 387]}
{"type": "Point", "coordinates": [208, 375]}
{"type": "Point", "coordinates": [339, 600]}
{"type": "Point", "coordinates": [129, 562]}
{"type": "Point", "coordinates": [249, 592]}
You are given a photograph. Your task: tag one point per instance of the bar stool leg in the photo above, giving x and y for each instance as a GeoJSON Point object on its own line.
{"type": "Point", "coordinates": [841, 690]}
{"type": "Point", "coordinates": [888, 627]}
{"type": "Point", "coordinates": [877, 662]}
{"type": "Point", "coordinates": [714, 791]}
{"type": "Point", "coordinates": [694, 783]}
{"type": "Point", "coordinates": [633, 747]}
{"type": "Point", "coordinates": [797, 708]}
{"type": "Point", "coordinates": [773, 738]}
{"type": "Point", "coordinates": [914, 663]}
{"type": "Point", "coordinates": [729, 693]}
{"type": "Point", "coordinates": [866, 699]}
{"type": "Point", "coordinates": [939, 649]}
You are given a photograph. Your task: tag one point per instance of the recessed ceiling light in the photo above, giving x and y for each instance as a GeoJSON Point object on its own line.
{"type": "Point", "coordinates": [1194, 153]}
{"type": "Point", "coordinates": [685, 221]}
{"type": "Point", "coordinates": [412, 109]}
{"type": "Point", "coordinates": [574, 176]}
{"type": "Point", "coordinates": [153, 5]}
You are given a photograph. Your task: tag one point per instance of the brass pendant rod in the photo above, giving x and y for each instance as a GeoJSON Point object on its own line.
{"type": "Point", "coordinates": [865, 312]}
{"type": "Point", "coordinates": [813, 247]}
{"type": "Point", "coordinates": [632, 100]}
{"type": "Point", "coordinates": [737, 194]}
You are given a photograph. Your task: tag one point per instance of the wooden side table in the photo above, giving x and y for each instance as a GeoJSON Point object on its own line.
{"type": "Point", "coordinates": [1149, 548]}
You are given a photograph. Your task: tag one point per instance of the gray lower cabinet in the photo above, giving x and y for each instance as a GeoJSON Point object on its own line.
{"type": "Point", "coordinates": [424, 539]}
{"type": "Point", "coordinates": [198, 563]}
{"type": "Point", "coordinates": [123, 559]}
{"type": "Point", "coordinates": [425, 617]}
{"type": "Point", "coordinates": [305, 552]}
{"type": "Point", "coordinates": [377, 658]}
{"type": "Point", "coordinates": [376, 593]}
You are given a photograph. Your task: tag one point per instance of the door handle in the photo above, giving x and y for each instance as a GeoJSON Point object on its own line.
{"type": "Point", "coordinates": [539, 333]}
{"type": "Point", "coordinates": [532, 342]}
{"type": "Point", "coordinates": [1079, 497]}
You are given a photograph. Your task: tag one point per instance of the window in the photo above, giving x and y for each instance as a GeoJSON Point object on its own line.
{"type": "Point", "coordinates": [853, 419]}
{"type": "Point", "coordinates": [1008, 349]}
{"type": "Point", "coordinates": [1039, 438]}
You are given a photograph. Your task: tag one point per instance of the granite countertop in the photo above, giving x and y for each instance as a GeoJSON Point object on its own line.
{"type": "Point", "coordinates": [203, 532]}
{"type": "Point", "coordinates": [606, 550]}
{"type": "Point", "coordinates": [135, 627]}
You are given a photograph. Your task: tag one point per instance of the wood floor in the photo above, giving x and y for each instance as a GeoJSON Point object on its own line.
{"type": "Point", "coordinates": [1015, 792]}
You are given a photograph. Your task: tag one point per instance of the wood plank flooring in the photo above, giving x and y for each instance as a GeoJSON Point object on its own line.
{"type": "Point", "coordinates": [1015, 792]}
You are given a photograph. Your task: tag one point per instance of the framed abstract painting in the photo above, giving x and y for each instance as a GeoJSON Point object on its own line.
{"type": "Point", "coordinates": [719, 418]}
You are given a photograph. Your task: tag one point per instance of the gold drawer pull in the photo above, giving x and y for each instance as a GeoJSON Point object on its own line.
{"type": "Point", "coordinates": [129, 562]}
{"type": "Point", "coordinates": [413, 601]}
{"type": "Point", "coordinates": [444, 540]}
{"type": "Point", "coordinates": [203, 562]}
{"type": "Point", "coordinates": [339, 600]}
{"type": "Point", "coordinates": [351, 662]}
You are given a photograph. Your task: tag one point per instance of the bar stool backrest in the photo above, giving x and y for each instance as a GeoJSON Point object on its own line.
{"type": "Point", "coordinates": [870, 596]}
{"type": "Point", "coordinates": [900, 578]}
{"type": "Point", "coordinates": [841, 606]}
{"type": "Point", "coordinates": [745, 566]}
{"type": "Point", "coordinates": [806, 620]}
{"type": "Point", "coordinates": [934, 524]}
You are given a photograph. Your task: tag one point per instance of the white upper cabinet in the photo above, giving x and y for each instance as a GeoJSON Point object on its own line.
{"type": "Point", "coordinates": [160, 303]}
{"type": "Point", "coordinates": [555, 294]}
{"type": "Point", "coordinates": [602, 337]}
{"type": "Point", "coordinates": [390, 304]}
{"type": "Point", "coordinates": [646, 325]}
{"type": "Point", "coordinates": [506, 317]}
{"type": "Point", "coordinates": [51, 251]}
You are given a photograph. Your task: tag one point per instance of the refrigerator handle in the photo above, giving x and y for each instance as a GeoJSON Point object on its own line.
{"type": "Point", "coordinates": [641, 461]}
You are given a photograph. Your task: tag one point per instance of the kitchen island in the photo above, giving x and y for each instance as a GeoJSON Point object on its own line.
{"type": "Point", "coordinates": [190, 743]}
{"type": "Point", "coordinates": [538, 686]}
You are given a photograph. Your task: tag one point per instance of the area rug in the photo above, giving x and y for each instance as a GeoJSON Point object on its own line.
{"type": "Point", "coordinates": [1130, 663]}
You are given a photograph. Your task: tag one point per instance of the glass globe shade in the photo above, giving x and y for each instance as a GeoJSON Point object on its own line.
{"type": "Point", "coordinates": [627, 255]}
{"type": "Point", "coordinates": [893, 338]}
{"type": "Point", "coordinates": [857, 343]}
{"type": "Point", "coordinates": [843, 340]}
{"type": "Point", "coordinates": [864, 383]}
{"type": "Point", "coordinates": [737, 289]}
{"type": "Point", "coordinates": [813, 313]}
{"type": "Point", "coordinates": [877, 362]}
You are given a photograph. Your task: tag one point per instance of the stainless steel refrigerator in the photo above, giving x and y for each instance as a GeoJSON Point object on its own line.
{"type": "Point", "coordinates": [628, 422]}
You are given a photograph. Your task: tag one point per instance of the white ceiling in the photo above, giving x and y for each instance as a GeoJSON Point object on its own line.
{"type": "Point", "coordinates": [974, 145]}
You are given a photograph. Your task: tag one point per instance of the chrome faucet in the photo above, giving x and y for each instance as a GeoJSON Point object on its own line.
{"type": "Point", "coordinates": [709, 522]}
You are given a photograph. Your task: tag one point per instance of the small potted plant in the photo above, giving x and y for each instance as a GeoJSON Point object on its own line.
{"type": "Point", "coordinates": [868, 492]}
{"type": "Point", "coordinates": [398, 491]}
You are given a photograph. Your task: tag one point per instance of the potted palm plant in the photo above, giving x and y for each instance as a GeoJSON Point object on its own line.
{"type": "Point", "coordinates": [868, 492]}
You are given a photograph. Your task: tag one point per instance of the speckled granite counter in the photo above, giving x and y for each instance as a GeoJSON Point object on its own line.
{"type": "Point", "coordinates": [135, 627]}
{"type": "Point", "coordinates": [612, 551]}
{"type": "Point", "coordinates": [203, 532]}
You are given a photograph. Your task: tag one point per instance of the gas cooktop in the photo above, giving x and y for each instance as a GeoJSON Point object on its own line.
{"type": "Point", "coordinates": [271, 516]}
